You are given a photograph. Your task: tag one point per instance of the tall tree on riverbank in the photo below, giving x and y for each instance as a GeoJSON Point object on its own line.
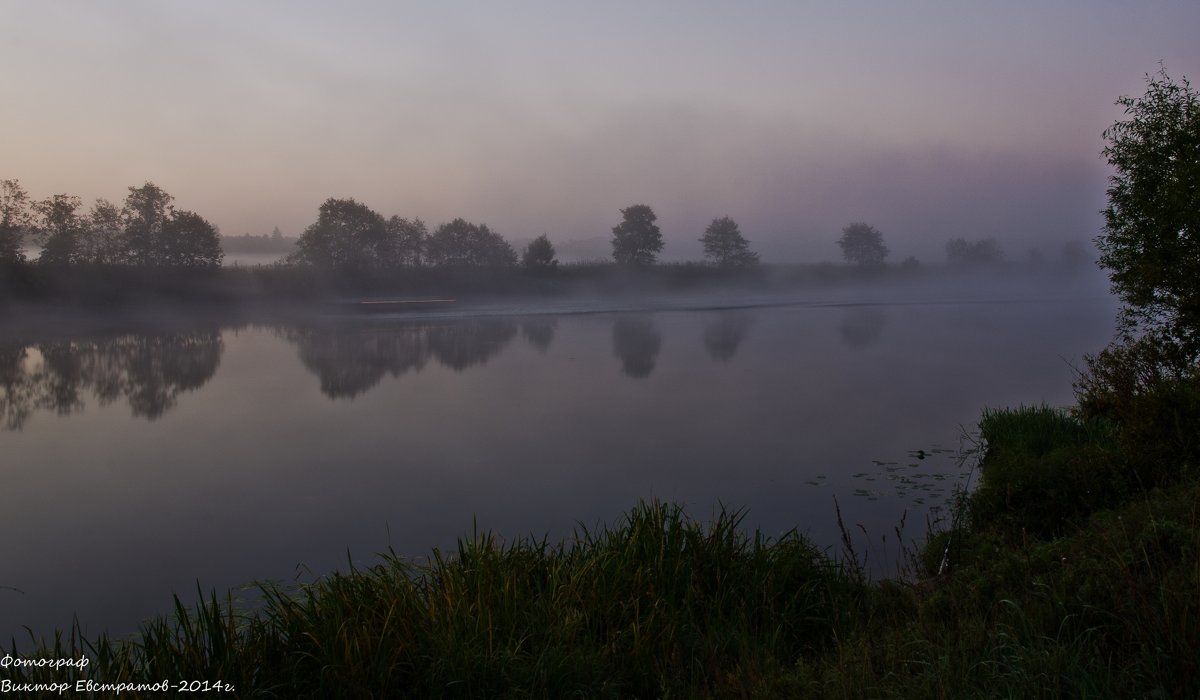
{"type": "Point", "coordinates": [539, 254]}
{"type": "Point", "coordinates": [725, 245]}
{"type": "Point", "coordinates": [637, 240]}
{"type": "Point", "coordinates": [60, 230]}
{"type": "Point", "coordinates": [862, 245]}
{"type": "Point", "coordinates": [408, 241]}
{"type": "Point", "coordinates": [347, 235]}
{"type": "Point", "coordinates": [145, 214]}
{"type": "Point", "coordinates": [1151, 239]}
{"type": "Point", "coordinates": [104, 242]}
{"type": "Point", "coordinates": [158, 235]}
{"type": "Point", "coordinates": [188, 240]}
{"type": "Point", "coordinates": [15, 221]}
{"type": "Point", "coordinates": [462, 243]}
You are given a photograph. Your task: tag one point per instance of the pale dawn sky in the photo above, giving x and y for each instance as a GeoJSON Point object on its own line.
{"type": "Point", "coordinates": [928, 120]}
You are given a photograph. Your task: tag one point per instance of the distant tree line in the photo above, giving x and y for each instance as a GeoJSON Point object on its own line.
{"type": "Point", "coordinates": [275, 242]}
{"type": "Point", "coordinates": [146, 231]}
{"type": "Point", "coordinates": [348, 236]}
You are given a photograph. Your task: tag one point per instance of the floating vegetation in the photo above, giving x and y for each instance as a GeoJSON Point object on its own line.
{"type": "Point", "coordinates": [938, 464]}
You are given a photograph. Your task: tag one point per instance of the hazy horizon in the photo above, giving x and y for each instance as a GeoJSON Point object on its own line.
{"type": "Point", "coordinates": [928, 122]}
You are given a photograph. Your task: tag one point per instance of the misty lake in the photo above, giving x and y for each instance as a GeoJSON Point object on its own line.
{"type": "Point", "coordinates": [140, 459]}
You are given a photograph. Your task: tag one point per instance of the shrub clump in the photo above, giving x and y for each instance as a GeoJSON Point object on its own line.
{"type": "Point", "coordinates": [1149, 390]}
{"type": "Point", "coordinates": [1044, 470]}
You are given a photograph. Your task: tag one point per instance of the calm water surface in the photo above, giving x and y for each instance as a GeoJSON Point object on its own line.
{"type": "Point", "coordinates": [139, 463]}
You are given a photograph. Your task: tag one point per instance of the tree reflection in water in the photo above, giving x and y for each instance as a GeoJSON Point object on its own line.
{"type": "Point", "coordinates": [862, 325]}
{"type": "Point", "coordinates": [463, 344]}
{"type": "Point", "coordinates": [149, 370]}
{"type": "Point", "coordinates": [539, 331]}
{"type": "Point", "coordinates": [351, 359]}
{"type": "Point", "coordinates": [348, 362]}
{"type": "Point", "coordinates": [725, 334]}
{"type": "Point", "coordinates": [636, 341]}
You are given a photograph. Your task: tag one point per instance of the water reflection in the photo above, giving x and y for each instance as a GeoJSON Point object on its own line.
{"type": "Point", "coordinates": [725, 334]}
{"type": "Point", "coordinates": [149, 370]}
{"type": "Point", "coordinates": [539, 331]}
{"type": "Point", "coordinates": [349, 360]}
{"type": "Point", "coordinates": [862, 325]}
{"type": "Point", "coordinates": [463, 344]}
{"type": "Point", "coordinates": [636, 341]}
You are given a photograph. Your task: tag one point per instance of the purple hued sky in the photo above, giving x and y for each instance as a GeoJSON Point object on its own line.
{"type": "Point", "coordinates": [928, 120]}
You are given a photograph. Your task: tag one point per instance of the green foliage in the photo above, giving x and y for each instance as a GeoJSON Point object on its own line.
{"type": "Point", "coordinates": [1149, 390]}
{"type": "Point", "coordinates": [461, 243]}
{"type": "Point", "coordinates": [659, 604]}
{"type": "Point", "coordinates": [725, 245]}
{"type": "Point", "coordinates": [963, 253]}
{"type": "Point", "coordinates": [539, 254]}
{"type": "Point", "coordinates": [1151, 239]}
{"type": "Point", "coordinates": [862, 245]}
{"type": "Point", "coordinates": [637, 240]}
{"type": "Point", "coordinates": [1043, 471]}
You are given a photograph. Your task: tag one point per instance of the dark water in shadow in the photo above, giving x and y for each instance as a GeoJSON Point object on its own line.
{"type": "Point", "coordinates": [138, 463]}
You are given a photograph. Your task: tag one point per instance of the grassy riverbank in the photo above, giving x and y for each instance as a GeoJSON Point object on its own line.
{"type": "Point", "coordinates": [1073, 571]}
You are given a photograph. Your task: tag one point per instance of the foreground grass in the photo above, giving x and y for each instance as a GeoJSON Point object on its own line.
{"type": "Point", "coordinates": [1071, 594]}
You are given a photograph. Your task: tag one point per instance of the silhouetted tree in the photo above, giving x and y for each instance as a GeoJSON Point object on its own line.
{"type": "Point", "coordinates": [408, 240]}
{"type": "Point", "coordinates": [637, 342]}
{"type": "Point", "coordinates": [637, 240]}
{"type": "Point", "coordinates": [15, 221]}
{"type": "Point", "coordinates": [1151, 238]}
{"type": "Point", "coordinates": [104, 243]}
{"type": "Point", "coordinates": [862, 245]}
{"type": "Point", "coordinates": [725, 245]}
{"type": "Point", "coordinates": [156, 234]}
{"type": "Point", "coordinates": [965, 253]}
{"type": "Point", "coordinates": [276, 234]}
{"type": "Point", "coordinates": [539, 254]}
{"type": "Point", "coordinates": [145, 214]}
{"type": "Point", "coordinates": [346, 236]}
{"type": "Point", "coordinates": [461, 242]}
{"type": "Point", "coordinates": [60, 230]}
{"type": "Point", "coordinates": [189, 241]}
